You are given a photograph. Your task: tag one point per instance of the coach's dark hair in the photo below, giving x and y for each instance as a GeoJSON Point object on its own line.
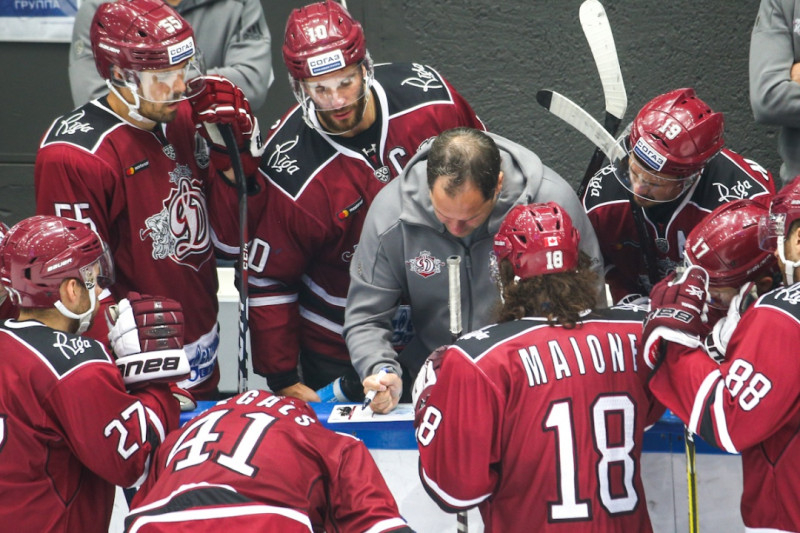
{"type": "Point", "coordinates": [559, 297]}
{"type": "Point", "coordinates": [464, 154]}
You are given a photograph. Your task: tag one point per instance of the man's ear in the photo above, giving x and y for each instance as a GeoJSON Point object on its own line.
{"type": "Point", "coordinates": [70, 292]}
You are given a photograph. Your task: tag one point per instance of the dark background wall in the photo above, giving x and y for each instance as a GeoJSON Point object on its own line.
{"type": "Point", "coordinates": [497, 54]}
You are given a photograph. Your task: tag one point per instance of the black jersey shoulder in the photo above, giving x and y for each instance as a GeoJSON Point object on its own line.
{"type": "Point", "coordinates": [294, 153]}
{"type": "Point", "coordinates": [603, 188]}
{"type": "Point", "coordinates": [621, 313]}
{"type": "Point", "coordinates": [725, 179]}
{"type": "Point", "coordinates": [410, 86]}
{"type": "Point", "coordinates": [84, 127]}
{"type": "Point", "coordinates": [786, 299]}
{"type": "Point", "coordinates": [480, 341]}
{"type": "Point", "coordinates": [60, 351]}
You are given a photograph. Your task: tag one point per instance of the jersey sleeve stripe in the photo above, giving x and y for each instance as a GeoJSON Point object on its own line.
{"type": "Point", "coordinates": [263, 301]}
{"type": "Point", "coordinates": [386, 525]}
{"type": "Point", "coordinates": [216, 513]}
{"type": "Point", "coordinates": [321, 321]}
{"type": "Point", "coordinates": [700, 400]}
{"type": "Point", "coordinates": [446, 498]}
{"type": "Point", "coordinates": [720, 420]}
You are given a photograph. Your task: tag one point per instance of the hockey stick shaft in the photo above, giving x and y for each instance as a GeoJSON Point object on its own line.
{"type": "Point", "coordinates": [691, 479]}
{"type": "Point", "coordinates": [454, 303]}
{"type": "Point", "coordinates": [244, 244]}
{"type": "Point", "coordinates": [597, 30]}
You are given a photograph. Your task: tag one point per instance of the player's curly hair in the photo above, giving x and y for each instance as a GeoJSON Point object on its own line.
{"type": "Point", "coordinates": [559, 297]}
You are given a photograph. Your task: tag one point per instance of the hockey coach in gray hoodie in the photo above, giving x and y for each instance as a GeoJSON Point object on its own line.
{"type": "Point", "coordinates": [449, 200]}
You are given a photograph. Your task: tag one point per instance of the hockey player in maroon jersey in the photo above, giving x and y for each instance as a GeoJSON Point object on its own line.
{"type": "Point", "coordinates": [750, 404]}
{"type": "Point", "coordinates": [538, 420]}
{"type": "Point", "coordinates": [675, 172]}
{"type": "Point", "coordinates": [354, 129]}
{"type": "Point", "coordinates": [69, 431]}
{"type": "Point", "coordinates": [258, 460]}
{"type": "Point", "coordinates": [129, 165]}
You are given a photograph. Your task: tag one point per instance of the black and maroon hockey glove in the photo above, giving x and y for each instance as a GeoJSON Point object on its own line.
{"type": "Point", "coordinates": [678, 307]}
{"type": "Point", "coordinates": [222, 102]}
{"type": "Point", "coordinates": [146, 337]}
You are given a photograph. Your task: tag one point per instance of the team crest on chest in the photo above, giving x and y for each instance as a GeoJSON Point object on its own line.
{"type": "Point", "coordinates": [180, 231]}
{"type": "Point", "coordinates": [425, 264]}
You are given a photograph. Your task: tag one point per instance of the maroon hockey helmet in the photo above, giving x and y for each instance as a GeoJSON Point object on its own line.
{"type": "Point", "coordinates": [725, 244]}
{"type": "Point", "coordinates": [139, 35]}
{"type": "Point", "coordinates": [537, 239]}
{"type": "Point", "coordinates": [40, 252]}
{"type": "Point", "coordinates": [322, 38]}
{"type": "Point", "coordinates": [677, 133]}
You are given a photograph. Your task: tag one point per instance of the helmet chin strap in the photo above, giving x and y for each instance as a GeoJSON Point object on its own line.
{"type": "Point", "coordinates": [133, 109]}
{"type": "Point", "coordinates": [788, 266]}
{"type": "Point", "coordinates": [84, 319]}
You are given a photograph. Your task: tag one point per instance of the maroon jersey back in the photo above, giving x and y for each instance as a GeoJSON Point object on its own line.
{"type": "Point", "coordinates": [68, 430]}
{"type": "Point", "coordinates": [270, 450]}
{"type": "Point", "coordinates": [539, 425]}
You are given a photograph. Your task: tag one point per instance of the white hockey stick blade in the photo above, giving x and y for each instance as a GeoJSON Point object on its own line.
{"type": "Point", "coordinates": [578, 118]}
{"type": "Point", "coordinates": [598, 33]}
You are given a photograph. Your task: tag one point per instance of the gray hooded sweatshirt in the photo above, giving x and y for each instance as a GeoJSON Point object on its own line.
{"type": "Point", "coordinates": [401, 258]}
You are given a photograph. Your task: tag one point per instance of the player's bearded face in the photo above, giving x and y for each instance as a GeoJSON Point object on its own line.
{"type": "Point", "coordinates": [339, 98]}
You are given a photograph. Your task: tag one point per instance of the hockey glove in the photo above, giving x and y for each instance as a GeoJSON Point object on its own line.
{"type": "Point", "coordinates": [678, 307]}
{"type": "Point", "coordinates": [146, 336]}
{"type": "Point", "coordinates": [184, 397]}
{"type": "Point", "coordinates": [222, 102]}
{"type": "Point", "coordinates": [716, 342]}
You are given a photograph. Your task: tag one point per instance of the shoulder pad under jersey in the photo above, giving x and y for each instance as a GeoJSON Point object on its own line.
{"type": "Point", "coordinates": [85, 127]}
{"type": "Point", "coordinates": [61, 352]}
{"type": "Point", "coordinates": [411, 85]}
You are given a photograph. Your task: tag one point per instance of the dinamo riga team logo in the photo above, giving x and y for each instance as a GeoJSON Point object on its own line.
{"type": "Point", "coordinates": [425, 264]}
{"type": "Point", "coordinates": [180, 231]}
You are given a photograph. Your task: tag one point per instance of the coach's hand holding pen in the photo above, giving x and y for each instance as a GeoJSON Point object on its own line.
{"type": "Point", "coordinates": [386, 379]}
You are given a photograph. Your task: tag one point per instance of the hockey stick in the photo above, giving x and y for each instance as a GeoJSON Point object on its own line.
{"type": "Point", "coordinates": [578, 118]}
{"type": "Point", "coordinates": [454, 303]}
{"type": "Point", "coordinates": [244, 244]}
{"type": "Point", "coordinates": [598, 34]}
{"type": "Point", "coordinates": [691, 479]}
